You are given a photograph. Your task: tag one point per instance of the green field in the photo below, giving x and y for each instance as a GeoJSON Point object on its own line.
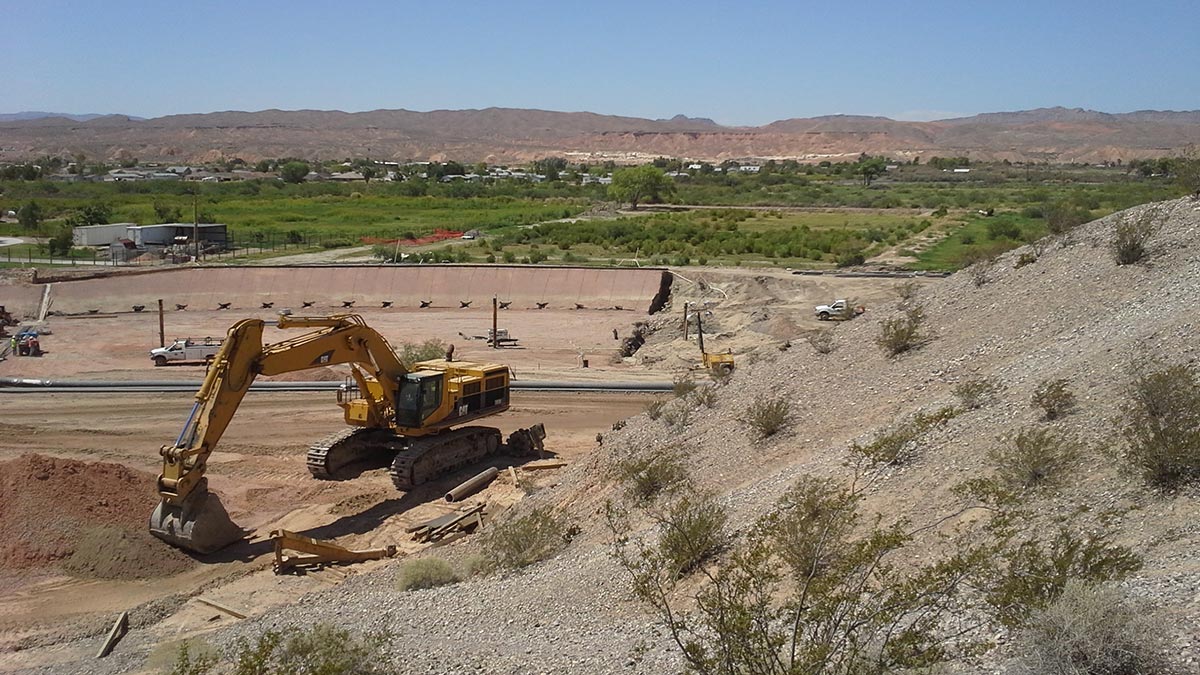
{"type": "Point", "coordinates": [915, 209]}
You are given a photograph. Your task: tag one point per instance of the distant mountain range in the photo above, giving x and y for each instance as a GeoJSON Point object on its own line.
{"type": "Point", "coordinates": [37, 115]}
{"type": "Point", "coordinates": [501, 135]}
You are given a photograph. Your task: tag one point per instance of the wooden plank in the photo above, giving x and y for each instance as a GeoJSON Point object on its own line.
{"type": "Point", "coordinates": [544, 464]}
{"type": "Point", "coordinates": [118, 631]}
{"type": "Point", "coordinates": [224, 608]}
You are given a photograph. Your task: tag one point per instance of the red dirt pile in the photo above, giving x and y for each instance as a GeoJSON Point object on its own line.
{"type": "Point", "coordinates": [88, 517]}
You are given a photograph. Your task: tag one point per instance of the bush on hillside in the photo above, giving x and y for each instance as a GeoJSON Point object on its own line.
{"type": "Point", "coordinates": [521, 540]}
{"type": "Point", "coordinates": [900, 334]}
{"type": "Point", "coordinates": [683, 385]}
{"type": "Point", "coordinates": [821, 341]}
{"type": "Point", "coordinates": [322, 648]}
{"type": "Point", "coordinates": [653, 473]}
{"type": "Point", "coordinates": [677, 415]}
{"type": "Point", "coordinates": [655, 409]}
{"type": "Point", "coordinates": [1161, 425]}
{"type": "Point", "coordinates": [811, 589]}
{"type": "Point", "coordinates": [767, 416]}
{"type": "Point", "coordinates": [1034, 457]}
{"type": "Point", "coordinates": [692, 533]}
{"type": "Point", "coordinates": [1132, 233]}
{"type": "Point", "coordinates": [1091, 629]}
{"type": "Point", "coordinates": [907, 291]}
{"type": "Point", "coordinates": [897, 445]}
{"type": "Point", "coordinates": [426, 573]}
{"type": "Point", "coordinates": [1054, 398]}
{"type": "Point", "coordinates": [974, 394]}
{"type": "Point", "coordinates": [705, 396]}
{"type": "Point", "coordinates": [1034, 573]}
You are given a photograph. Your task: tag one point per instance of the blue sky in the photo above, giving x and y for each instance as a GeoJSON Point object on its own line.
{"type": "Point", "coordinates": [735, 62]}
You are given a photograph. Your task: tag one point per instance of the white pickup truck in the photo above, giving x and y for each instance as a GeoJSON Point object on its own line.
{"type": "Point", "coordinates": [838, 310]}
{"type": "Point", "coordinates": [186, 349]}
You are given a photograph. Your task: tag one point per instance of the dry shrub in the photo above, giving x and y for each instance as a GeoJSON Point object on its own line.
{"type": "Point", "coordinates": [767, 416]}
{"type": "Point", "coordinates": [683, 385]}
{"type": "Point", "coordinates": [653, 473]}
{"type": "Point", "coordinates": [705, 396]}
{"type": "Point", "coordinates": [899, 334]}
{"type": "Point", "coordinates": [677, 415]}
{"type": "Point", "coordinates": [821, 341]}
{"type": "Point", "coordinates": [908, 290]}
{"type": "Point", "coordinates": [974, 394]}
{"type": "Point", "coordinates": [1035, 572]}
{"type": "Point", "coordinates": [811, 526]}
{"type": "Point", "coordinates": [655, 409]}
{"type": "Point", "coordinates": [1054, 398]}
{"type": "Point", "coordinates": [322, 648]}
{"type": "Point", "coordinates": [897, 445]}
{"type": "Point", "coordinates": [1034, 457]}
{"type": "Point", "coordinates": [522, 540]}
{"type": "Point", "coordinates": [1091, 629]}
{"type": "Point", "coordinates": [426, 573]}
{"type": "Point", "coordinates": [1132, 233]}
{"type": "Point", "coordinates": [693, 532]}
{"type": "Point", "coordinates": [1161, 425]}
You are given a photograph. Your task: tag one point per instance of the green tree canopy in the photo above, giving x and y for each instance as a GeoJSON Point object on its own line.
{"type": "Point", "coordinates": [30, 215]}
{"type": "Point", "coordinates": [638, 184]}
{"type": "Point", "coordinates": [294, 172]}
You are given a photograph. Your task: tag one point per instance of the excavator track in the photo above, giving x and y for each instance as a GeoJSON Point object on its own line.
{"type": "Point", "coordinates": [328, 457]}
{"type": "Point", "coordinates": [429, 457]}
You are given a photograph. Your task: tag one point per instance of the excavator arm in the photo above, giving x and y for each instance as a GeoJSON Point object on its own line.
{"type": "Point", "coordinates": [188, 515]}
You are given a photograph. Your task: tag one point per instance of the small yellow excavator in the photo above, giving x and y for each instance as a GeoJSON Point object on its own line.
{"type": "Point", "coordinates": [408, 418]}
{"type": "Point", "coordinates": [717, 364]}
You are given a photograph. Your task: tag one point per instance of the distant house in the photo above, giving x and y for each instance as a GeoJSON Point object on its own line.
{"type": "Point", "coordinates": [346, 176]}
{"type": "Point", "coordinates": [749, 168]}
{"type": "Point", "coordinates": [117, 176]}
{"type": "Point", "coordinates": [179, 170]}
{"type": "Point", "coordinates": [165, 175]}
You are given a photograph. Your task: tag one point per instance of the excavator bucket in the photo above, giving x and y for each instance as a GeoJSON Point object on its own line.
{"type": "Point", "coordinates": [527, 441]}
{"type": "Point", "coordinates": [200, 524]}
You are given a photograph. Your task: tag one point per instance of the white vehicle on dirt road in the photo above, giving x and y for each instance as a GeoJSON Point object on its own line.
{"type": "Point", "coordinates": [838, 310]}
{"type": "Point", "coordinates": [186, 349]}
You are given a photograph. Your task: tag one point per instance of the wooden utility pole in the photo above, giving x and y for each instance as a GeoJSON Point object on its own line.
{"type": "Point", "coordinates": [685, 321]}
{"type": "Point", "coordinates": [196, 226]}
{"type": "Point", "coordinates": [495, 322]}
{"type": "Point", "coordinates": [162, 333]}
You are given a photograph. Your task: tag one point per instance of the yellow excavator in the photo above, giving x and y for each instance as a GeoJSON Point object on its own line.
{"type": "Point", "coordinates": [409, 418]}
{"type": "Point", "coordinates": [717, 364]}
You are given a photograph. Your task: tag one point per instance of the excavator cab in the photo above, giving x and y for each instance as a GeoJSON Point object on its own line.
{"type": "Point", "coordinates": [418, 397]}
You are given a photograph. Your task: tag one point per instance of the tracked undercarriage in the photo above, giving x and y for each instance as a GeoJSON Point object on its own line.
{"type": "Point", "coordinates": [416, 460]}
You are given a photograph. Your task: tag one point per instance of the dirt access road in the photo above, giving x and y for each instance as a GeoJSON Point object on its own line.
{"type": "Point", "coordinates": [260, 474]}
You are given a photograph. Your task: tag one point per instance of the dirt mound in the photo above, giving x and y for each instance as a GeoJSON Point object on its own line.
{"type": "Point", "coordinates": [88, 516]}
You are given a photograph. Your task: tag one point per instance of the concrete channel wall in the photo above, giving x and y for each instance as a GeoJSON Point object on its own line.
{"type": "Point", "coordinates": [444, 286]}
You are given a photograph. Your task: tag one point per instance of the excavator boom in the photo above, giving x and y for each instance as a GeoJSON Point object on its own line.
{"type": "Point", "coordinates": [188, 515]}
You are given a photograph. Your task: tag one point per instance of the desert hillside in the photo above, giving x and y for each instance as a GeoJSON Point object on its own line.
{"type": "Point", "coordinates": [514, 135]}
